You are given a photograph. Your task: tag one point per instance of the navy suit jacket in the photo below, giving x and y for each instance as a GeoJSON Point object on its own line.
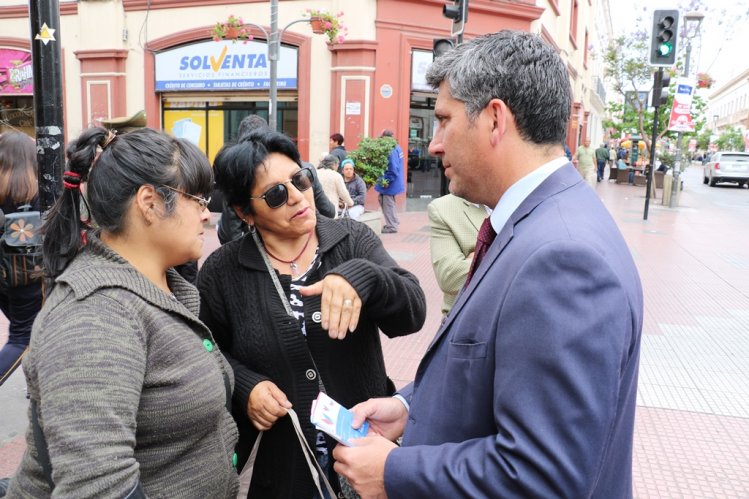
{"type": "Point", "coordinates": [529, 387]}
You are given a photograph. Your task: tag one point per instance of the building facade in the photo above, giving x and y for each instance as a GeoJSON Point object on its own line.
{"type": "Point", "coordinates": [123, 56]}
{"type": "Point", "coordinates": [729, 106]}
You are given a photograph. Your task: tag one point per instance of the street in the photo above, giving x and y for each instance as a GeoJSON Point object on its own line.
{"type": "Point", "coordinates": [692, 425]}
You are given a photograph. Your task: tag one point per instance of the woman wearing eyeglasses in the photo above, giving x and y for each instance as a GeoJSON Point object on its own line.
{"type": "Point", "coordinates": [295, 305]}
{"type": "Point", "coordinates": [129, 393]}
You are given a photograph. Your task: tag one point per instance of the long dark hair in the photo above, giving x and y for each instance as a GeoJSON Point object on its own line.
{"type": "Point", "coordinates": [18, 168]}
{"type": "Point", "coordinates": [235, 165]}
{"type": "Point", "coordinates": [115, 168]}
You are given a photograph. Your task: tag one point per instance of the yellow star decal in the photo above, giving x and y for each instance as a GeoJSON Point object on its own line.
{"type": "Point", "coordinates": [46, 34]}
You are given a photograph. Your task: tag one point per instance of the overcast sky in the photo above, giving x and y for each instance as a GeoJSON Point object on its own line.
{"type": "Point", "coordinates": [720, 50]}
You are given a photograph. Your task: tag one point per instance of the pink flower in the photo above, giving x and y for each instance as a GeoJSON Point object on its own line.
{"type": "Point", "coordinates": [328, 25]}
{"type": "Point", "coordinates": [340, 38]}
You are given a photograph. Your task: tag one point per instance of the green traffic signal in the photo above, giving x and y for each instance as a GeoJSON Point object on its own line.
{"type": "Point", "coordinates": [664, 49]}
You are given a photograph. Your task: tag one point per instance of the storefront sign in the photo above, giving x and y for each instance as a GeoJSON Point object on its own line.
{"type": "Point", "coordinates": [681, 117]}
{"type": "Point", "coordinates": [386, 91]}
{"type": "Point", "coordinates": [16, 75]}
{"type": "Point", "coordinates": [223, 65]}
{"type": "Point", "coordinates": [420, 62]}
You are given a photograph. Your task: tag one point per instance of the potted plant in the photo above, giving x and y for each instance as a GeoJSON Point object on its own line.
{"type": "Point", "coordinates": [371, 159]}
{"type": "Point", "coordinates": [231, 29]}
{"type": "Point", "coordinates": [327, 23]}
{"type": "Point", "coordinates": [704, 80]}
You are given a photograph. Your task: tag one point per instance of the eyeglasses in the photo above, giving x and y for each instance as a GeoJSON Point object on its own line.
{"type": "Point", "coordinates": [278, 195]}
{"type": "Point", "coordinates": [203, 202]}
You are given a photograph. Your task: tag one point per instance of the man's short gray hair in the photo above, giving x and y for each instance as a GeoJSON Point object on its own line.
{"type": "Point", "coordinates": [520, 69]}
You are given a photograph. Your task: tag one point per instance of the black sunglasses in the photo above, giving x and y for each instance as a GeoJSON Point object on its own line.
{"type": "Point", "coordinates": [278, 195]}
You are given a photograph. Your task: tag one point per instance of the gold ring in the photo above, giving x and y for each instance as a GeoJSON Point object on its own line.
{"type": "Point", "coordinates": [347, 303]}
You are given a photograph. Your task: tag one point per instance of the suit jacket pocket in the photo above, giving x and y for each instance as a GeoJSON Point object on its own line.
{"type": "Point", "coordinates": [467, 350]}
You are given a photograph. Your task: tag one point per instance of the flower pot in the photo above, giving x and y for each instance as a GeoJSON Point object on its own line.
{"type": "Point", "coordinates": [316, 24]}
{"type": "Point", "coordinates": [232, 33]}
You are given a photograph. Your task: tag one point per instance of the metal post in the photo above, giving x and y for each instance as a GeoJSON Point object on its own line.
{"type": "Point", "coordinates": [274, 42]}
{"type": "Point", "coordinates": [654, 138]}
{"type": "Point", "coordinates": [48, 103]}
{"type": "Point", "coordinates": [679, 140]}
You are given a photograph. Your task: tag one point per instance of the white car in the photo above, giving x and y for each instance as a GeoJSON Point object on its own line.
{"type": "Point", "coordinates": [727, 166]}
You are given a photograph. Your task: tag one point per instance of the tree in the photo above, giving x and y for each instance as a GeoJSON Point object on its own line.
{"type": "Point", "coordinates": [731, 139]}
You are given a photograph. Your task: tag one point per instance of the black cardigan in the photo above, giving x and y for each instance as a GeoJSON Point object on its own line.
{"type": "Point", "coordinates": [243, 310]}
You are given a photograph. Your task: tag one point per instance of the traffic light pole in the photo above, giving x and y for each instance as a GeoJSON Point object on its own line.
{"type": "Point", "coordinates": [44, 17]}
{"type": "Point", "coordinates": [654, 138]}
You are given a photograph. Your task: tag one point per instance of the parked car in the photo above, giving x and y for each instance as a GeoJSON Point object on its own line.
{"type": "Point", "coordinates": [727, 166]}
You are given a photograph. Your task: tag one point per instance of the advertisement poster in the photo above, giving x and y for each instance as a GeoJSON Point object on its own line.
{"type": "Point", "coordinates": [223, 65]}
{"type": "Point", "coordinates": [16, 74]}
{"type": "Point", "coordinates": [681, 116]}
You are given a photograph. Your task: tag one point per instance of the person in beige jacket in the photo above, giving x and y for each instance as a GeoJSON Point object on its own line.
{"type": "Point", "coordinates": [332, 182]}
{"type": "Point", "coordinates": [455, 224]}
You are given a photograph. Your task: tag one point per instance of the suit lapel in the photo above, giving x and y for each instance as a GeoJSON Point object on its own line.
{"type": "Point", "coordinates": [562, 179]}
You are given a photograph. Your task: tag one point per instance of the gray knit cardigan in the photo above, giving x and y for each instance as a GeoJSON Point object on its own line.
{"type": "Point", "coordinates": [130, 387]}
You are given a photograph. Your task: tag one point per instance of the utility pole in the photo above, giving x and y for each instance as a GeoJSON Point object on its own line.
{"type": "Point", "coordinates": [273, 50]}
{"type": "Point", "coordinates": [657, 90]}
{"type": "Point", "coordinates": [696, 19]}
{"type": "Point", "coordinates": [48, 103]}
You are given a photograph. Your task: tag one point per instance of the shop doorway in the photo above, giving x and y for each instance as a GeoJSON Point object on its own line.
{"type": "Point", "coordinates": [426, 179]}
{"type": "Point", "coordinates": [210, 124]}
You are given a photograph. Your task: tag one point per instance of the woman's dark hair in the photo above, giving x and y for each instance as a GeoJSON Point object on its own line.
{"type": "Point", "coordinates": [19, 181]}
{"type": "Point", "coordinates": [236, 165]}
{"type": "Point", "coordinates": [115, 168]}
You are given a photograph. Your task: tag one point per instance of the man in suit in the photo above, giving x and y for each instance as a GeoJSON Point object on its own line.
{"type": "Point", "coordinates": [455, 223]}
{"type": "Point", "coordinates": [528, 388]}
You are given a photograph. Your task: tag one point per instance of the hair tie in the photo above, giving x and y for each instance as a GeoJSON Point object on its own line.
{"type": "Point", "coordinates": [111, 135]}
{"type": "Point", "coordinates": [71, 180]}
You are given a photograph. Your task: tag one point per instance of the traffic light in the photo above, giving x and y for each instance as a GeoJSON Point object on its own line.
{"type": "Point", "coordinates": [664, 37]}
{"type": "Point", "coordinates": [440, 46]}
{"type": "Point", "coordinates": [661, 82]}
{"type": "Point", "coordinates": [458, 12]}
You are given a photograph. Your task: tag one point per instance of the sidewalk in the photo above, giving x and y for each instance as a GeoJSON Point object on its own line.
{"type": "Point", "coordinates": [692, 426]}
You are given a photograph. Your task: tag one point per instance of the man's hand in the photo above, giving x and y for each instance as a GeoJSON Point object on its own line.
{"type": "Point", "coordinates": [386, 416]}
{"type": "Point", "coordinates": [364, 465]}
{"type": "Point", "coordinates": [267, 403]}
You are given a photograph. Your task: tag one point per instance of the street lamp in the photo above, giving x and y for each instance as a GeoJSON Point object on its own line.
{"type": "Point", "coordinates": [274, 49]}
{"type": "Point", "coordinates": [692, 22]}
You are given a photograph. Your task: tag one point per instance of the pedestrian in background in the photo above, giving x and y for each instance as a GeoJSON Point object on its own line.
{"type": "Point", "coordinates": [332, 183]}
{"type": "Point", "coordinates": [529, 387]}
{"type": "Point", "coordinates": [337, 149]}
{"type": "Point", "coordinates": [390, 185]}
{"type": "Point", "coordinates": [129, 393]}
{"type": "Point", "coordinates": [19, 187]}
{"type": "Point", "coordinates": [356, 187]}
{"type": "Point", "coordinates": [585, 160]}
{"type": "Point", "coordinates": [602, 156]}
{"type": "Point", "coordinates": [297, 306]}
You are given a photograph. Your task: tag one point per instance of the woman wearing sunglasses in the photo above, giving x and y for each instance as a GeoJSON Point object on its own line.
{"type": "Point", "coordinates": [295, 305]}
{"type": "Point", "coordinates": [129, 394]}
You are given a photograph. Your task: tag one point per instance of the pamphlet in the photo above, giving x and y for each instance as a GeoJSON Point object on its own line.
{"type": "Point", "coordinates": [335, 420]}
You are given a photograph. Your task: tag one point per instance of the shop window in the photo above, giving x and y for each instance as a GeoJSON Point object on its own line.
{"type": "Point", "coordinates": [573, 22]}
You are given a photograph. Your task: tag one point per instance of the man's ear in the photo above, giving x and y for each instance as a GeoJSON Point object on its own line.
{"type": "Point", "coordinates": [147, 199]}
{"type": "Point", "coordinates": [499, 116]}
